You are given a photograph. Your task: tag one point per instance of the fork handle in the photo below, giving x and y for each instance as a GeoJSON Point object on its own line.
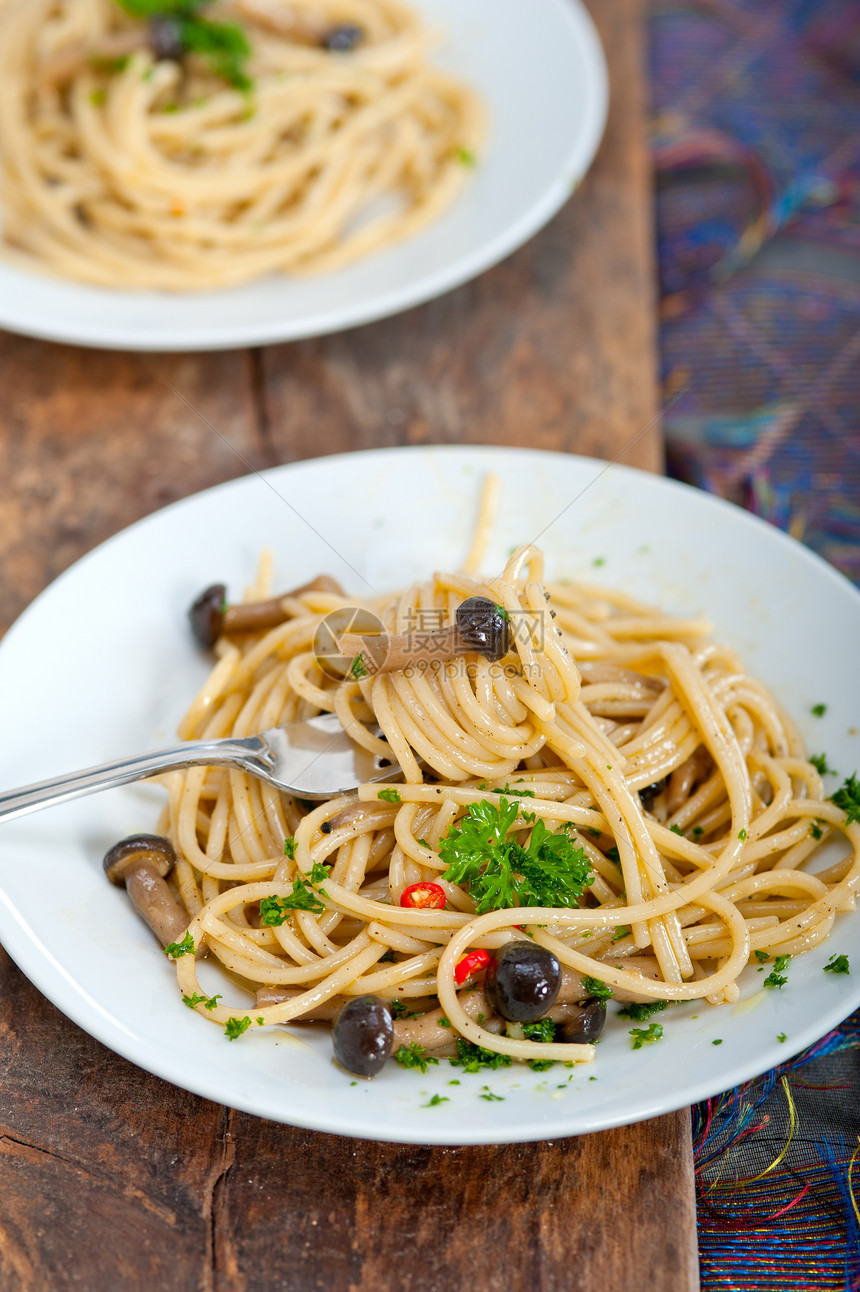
{"type": "Point", "coordinates": [247, 754]}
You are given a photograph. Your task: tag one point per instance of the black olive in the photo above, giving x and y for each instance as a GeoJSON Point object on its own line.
{"type": "Point", "coordinates": [522, 981]}
{"type": "Point", "coordinates": [363, 1036]}
{"type": "Point", "coordinates": [585, 1027]}
{"type": "Point", "coordinates": [207, 614]}
{"type": "Point", "coordinates": [166, 39]}
{"type": "Point", "coordinates": [650, 793]}
{"type": "Point", "coordinates": [340, 40]}
{"type": "Point", "coordinates": [485, 627]}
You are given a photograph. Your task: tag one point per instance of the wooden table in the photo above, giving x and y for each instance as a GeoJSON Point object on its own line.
{"type": "Point", "coordinates": [109, 1178]}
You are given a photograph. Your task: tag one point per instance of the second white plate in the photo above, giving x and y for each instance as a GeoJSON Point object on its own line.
{"type": "Point", "coordinates": [539, 68]}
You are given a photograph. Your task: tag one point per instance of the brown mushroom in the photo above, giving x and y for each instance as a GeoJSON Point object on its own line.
{"type": "Point", "coordinates": [480, 627]}
{"type": "Point", "coordinates": [141, 862]}
{"type": "Point", "coordinates": [211, 617]}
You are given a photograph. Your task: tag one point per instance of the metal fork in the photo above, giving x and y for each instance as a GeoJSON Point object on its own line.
{"type": "Point", "coordinates": [314, 759]}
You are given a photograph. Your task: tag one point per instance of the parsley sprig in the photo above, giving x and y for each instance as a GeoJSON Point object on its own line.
{"type": "Point", "coordinates": [776, 977]}
{"type": "Point", "coordinates": [224, 45]}
{"type": "Point", "coordinates": [276, 910]}
{"type": "Point", "coordinates": [549, 871]}
{"type": "Point", "coordinates": [847, 797]}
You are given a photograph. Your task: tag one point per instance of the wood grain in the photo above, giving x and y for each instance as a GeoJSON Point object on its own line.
{"type": "Point", "coordinates": [110, 1179]}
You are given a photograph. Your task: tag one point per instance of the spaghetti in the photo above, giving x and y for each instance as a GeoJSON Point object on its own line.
{"type": "Point", "coordinates": [629, 732]}
{"type": "Point", "coordinates": [121, 169]}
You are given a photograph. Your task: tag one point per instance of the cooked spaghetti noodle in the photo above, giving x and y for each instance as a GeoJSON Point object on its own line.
{"type": "Point", "coordinates": [123, 171]}
{"type": "Point", "coordinates": [678, 774]}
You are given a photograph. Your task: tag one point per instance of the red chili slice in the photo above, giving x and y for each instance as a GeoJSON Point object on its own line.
{"type": "Point", "coordinates": [424, 897]}
{"type": "Point", "coordinates": [471, 963]}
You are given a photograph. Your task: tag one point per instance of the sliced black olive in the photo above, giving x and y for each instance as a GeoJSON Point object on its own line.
{"type": "Point", "coordinates": [166, 39]}
{"type": "Point", "coordinates": [340, 40]}
{"type": "Point", "coordinates": [207, 614]}
{"type": "Point", "coordinates": [363, 1036]}
{"type": "Point", "coordinates": [650, 793]}
{"type": "Point", "coordinates": [584, 1028]}
{"type": "Point", "coordinates": [485, 627]}
{"type": "Point", "coordinates": [522, 981]}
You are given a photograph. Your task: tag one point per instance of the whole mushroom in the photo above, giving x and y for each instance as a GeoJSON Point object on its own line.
{"type": "Point", "coordinates": [211, 617]}
{"type": "Point", "coordinates": [141, 863]}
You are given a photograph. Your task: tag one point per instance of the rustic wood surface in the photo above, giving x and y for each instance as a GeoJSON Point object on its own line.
{"type": "Point", "coordinates": [109, 1178]}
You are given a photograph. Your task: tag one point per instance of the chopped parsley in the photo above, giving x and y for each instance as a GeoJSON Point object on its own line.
{"type": "Point", "coordinates": [234, 1027]}
{"type": "Point", "coordinates": [781, 1036]}
{"type": "Point", "coordinates": [718, 1041]}
{"type": "Point", "coordinates": [290, 848]}
{"type": "Point", "coordinates": [543, 1030]}
{"type": "Point", "coordinates": [388, 959]}
{"type": "Point", "coordinates": [698, 831]}
{"type": "Point", "coordinates": [184, 948]}
{"type": "Point", "coordinates": [501, 873]}
{"type": "Point", "coordinates": [641, 1013]}
{"type": "Point", "coordinates": [837, 964]}
{"type": "Point", "coordinates": [621, 932]}
{"type": "Point", "coordinates": [594, 987]}
{"type": "Point", "coordinates": [613, 855]}
{"type": "Point", "coordinates": [487, 1094]}
{"type": "Point", "coordinates": [471, 1058]}
{"type": "Point", "coordinates": [398, 1008]}
{"type": "Point", "coordinates": [847, 797]}
{"type": "Point", "coordinates": [762, 956]}
{"type": "Point", "coordinates": [276, 910]}
{"type": "Point", "coordinates": [466, 157]}
{"type": "Point", "coordinates": [357, 668]}
{"type": "Point", "coordinates": [435, 1101]}
{"type": "Point", "coordinates": [224, 45]}
{"type": "Point", "coordinates": [676, 829]}
{"type": "Point", "coordinates": [414, 1056]}
{"type": "Point", "coordinates": [777, 978]}
{"type": "Point", "coordinates": [818, 710]}
{"type": "Point", "coordinates": [646, 1035]}
{"type": "Point", "coordinates": [444, 1022]}
{"type": "Point", "coordinates": [742, 834]}
{"type": "Point", "coordinates": [195, 999]}
{"type": "Point", "coordinates": [521, 794]}
{"type": "Point", "coordinates": [390, 796]}
{"type": "Point", "coordinates": [815, 829]}
{"type": "Point", "coordinates": [260, 1020]}
{"type": "Point", "coordinates": [819, 762]}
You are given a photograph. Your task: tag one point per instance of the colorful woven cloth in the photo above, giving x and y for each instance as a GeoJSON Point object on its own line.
{"type": "Point", "coordinates": [756, 107]}
{"type": "Point", "coordinates": [757, 148]}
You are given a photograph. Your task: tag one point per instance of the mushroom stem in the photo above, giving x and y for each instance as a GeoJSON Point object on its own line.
{"type": "Point", "coordinates": [63, 66]}
{"type": "Point", "coordinates": [251, 616]}
{"type": "Point", "coordinates": [211, 617]}
{"type": "Point", "coordinates": [154, 902]}
{"type": "Point", "coordinates": [389, 653]}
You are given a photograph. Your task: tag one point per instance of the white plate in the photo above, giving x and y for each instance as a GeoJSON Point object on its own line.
{"type": "Point", "coordinates": [539, 68]}
{"type": "Point", "coordinates": [102, 665]}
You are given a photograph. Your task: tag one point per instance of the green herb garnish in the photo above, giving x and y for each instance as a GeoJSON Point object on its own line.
{"type": "Point", "coordinates": [776, 977]}
{"type": "Point", "coordinates": [646, 1035]}
{"type": "Point", "coordinates": [224, 45]}
{"type": "Point", "coordinates": [594, 987]}
{"type": "Point", "coordinates": [471, 1058]}
{"type": "Point", "coordinates": [621, 932]}
{"type": "Point", "coordinates": [641, 1013]}
{"type": "Point", "coordinates": [847, 797]}
{"type": "Point", "coordinates": [818, 710]}
{"type": "Point", "coordinates": [290, 848]}
{"type": "Point", "coordinates": [549, 871]}
{"type": "Point", "coordinates": [195, 999]}
{"type": "Point", "coordinates": [357, 668]}
{"type": "Point", "coordinates": [781, 1036]}
{"type": "Point", "coordinates": [414, 1056]}
{"type": "Point", "coordinates": [184, 948]}
{"type": "Point", "coordinates": [276, 910]}
{"type": "Point", "coordinates": [819, 762]}
{"type": "Point", "coordinates": [837, 964]}
{"type": "Point", "coordinates": [234, 1027]}
{"type": "Point", "coordinates": [435, 1101]}
{"type": "Point", "coordinates": [762, 956]}
{"type": "Point", "coordinates": [390, 796]}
